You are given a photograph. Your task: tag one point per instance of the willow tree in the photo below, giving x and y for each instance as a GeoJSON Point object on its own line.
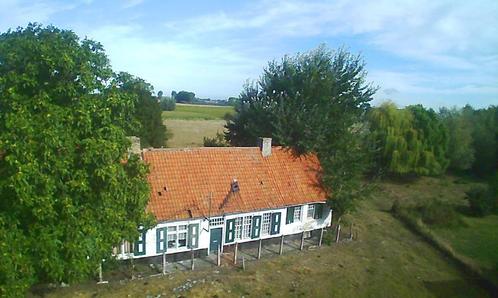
{"type": "Point", "coordinates": [312, 102]}
{"type": "Point", "coordinates": [410, 141]}
{"type": "Point", "coordinates": [66, 194]}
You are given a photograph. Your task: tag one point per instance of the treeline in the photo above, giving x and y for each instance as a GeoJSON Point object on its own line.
{"type": "Point", "coordinates": [419, 141]}
{"type": "Point", "coordinates": [320, 102]}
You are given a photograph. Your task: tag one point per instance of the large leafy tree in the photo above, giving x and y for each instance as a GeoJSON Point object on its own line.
{"type": "Point", "coordinates": [68, 191]}
{"type": "Point", "coordinates": [150, 130]}
{"type": "Point", "coordinates": [311, 102]}
{"type": "Point", "coordinates": [460, 150]}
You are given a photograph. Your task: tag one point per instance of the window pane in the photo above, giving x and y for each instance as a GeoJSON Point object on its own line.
{"type": "Point", "coordinates": [172, 241]}
{"type": "Point", "coordinates": [297, 213]}
{"type": "Point", "coordinates": [182, 227]}
{"type": "Point", "coordinates": [311, 211]}
{"type": "Point", "coordinates": [265, 226]}
{"type": "Point", "coordinates": [182, 239]}
{"type": "Point", "coordinates": [246, 233]}
{"type": "Point", "coordinates": [171, 229]}
{"type": "Point", "coordinates": [238, 228]}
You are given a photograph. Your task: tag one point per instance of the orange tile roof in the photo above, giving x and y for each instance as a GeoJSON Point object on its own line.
{"type": "Point", "coordinates": [183, 180]}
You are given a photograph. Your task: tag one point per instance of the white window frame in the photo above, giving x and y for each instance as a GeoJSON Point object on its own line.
{"type": "Point", "coordinates": [266, 224]}
{"type": "Point", "coordinates": [246, 227]}
{"type": "Point", "coordinates": [216, 221]}
{"type": "Point", "coordinates": [175, 234]}
{"type": "Point", "coordinates": [311, 211]}
{"type": "Point", "coordinates": [298, 213]}
{"type": "Point", "coordinates": [238, 227]}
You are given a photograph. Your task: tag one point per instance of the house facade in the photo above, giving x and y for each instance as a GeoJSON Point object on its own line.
{"type": "Point", "coordinates": [207, 198]}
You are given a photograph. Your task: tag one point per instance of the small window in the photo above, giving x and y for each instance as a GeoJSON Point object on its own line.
{"type": "Point", "coordinates": [238, 228]}
{"type": "Point", "coordinates": [171, 240]}
{"type": "Point", "coordinates": [216, 221]}
{"type": "Point", "coordinates": [311, 211]}
{"type": "Point", "coordinates": [182, 239]}
{"type": "Point", "coordinates": [171, 229]}
{"type": "Point", "coordinates": [266, 223]}
{"type": "Point", "coordinates": [297, 213]}
{"type": "Point", "coordinates": [182, 227]}
{"type": "Point", "coordinates": [246, 229]}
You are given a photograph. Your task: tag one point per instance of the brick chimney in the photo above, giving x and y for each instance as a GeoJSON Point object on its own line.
{"type": "Point", "coordinates": [265, 146]}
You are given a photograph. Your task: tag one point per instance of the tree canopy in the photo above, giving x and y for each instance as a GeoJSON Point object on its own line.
{"type": "Point", "coordinates": [184, 96]}
{"type": "Point", "coordinates": [311, 102]}
{"type": "Point", "coordinates": [150, 129]}
{"type": "Point", "coordinates": [67, 194]}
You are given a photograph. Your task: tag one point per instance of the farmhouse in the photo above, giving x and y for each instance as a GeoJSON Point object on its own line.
{"type": "Point", "coordinates": [207, 198]}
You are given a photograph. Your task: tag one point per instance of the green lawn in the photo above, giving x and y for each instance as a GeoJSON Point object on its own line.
{"type": "Point", "coordinates": [476, 238]}
{"type": "Point", "coordinates": [198, 112]}
{"type": "Point", "coordinates": [190, 133]}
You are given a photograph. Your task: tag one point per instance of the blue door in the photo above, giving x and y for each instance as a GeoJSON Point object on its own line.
{"type": "Point", "coordinates": [215, 240]}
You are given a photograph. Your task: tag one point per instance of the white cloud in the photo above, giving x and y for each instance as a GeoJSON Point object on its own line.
{"type": "Point", "coordinates": [132, 3]}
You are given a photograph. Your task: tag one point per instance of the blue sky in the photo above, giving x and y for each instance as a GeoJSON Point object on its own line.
{"type": "Point", "coordinates": [437, 53]}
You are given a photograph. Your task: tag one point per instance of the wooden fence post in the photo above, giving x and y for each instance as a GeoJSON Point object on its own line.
{"type": "Point", "coordinates": [101, 277]}
{"type": "Point", "coordinates": [337, 237]}
{"type": "Point", "coordinates": [321, 238]}
{"type": "Point", "coordinates": [235, 253]}
{"type": "Point", "coordinates": [259, 249]}
{"type": "Point", "coordinates": [243, 263]}
{"type": "Point", "coordinates": [302, 241]}
{"type": "Point", "coordinates": [219, 256]}
{"type": "Point", "coordinates": [281, 245]}
{"type": "Point", "coordinates": [164, 262]}
{"type": "Point", "coordinates": [192, 261]}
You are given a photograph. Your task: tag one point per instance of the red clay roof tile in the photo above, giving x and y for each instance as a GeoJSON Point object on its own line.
{"type": "Point", "coordinates": [187, 178]}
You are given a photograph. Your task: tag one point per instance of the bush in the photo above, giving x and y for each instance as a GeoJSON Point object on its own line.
{"type": "Point", "coordinates": [168, 104]}
{"type": "Point", "coordinates": [439, 213]}
{"type": "Point", "coordinates": [217, 141]}
{"type": "Point", "coordinates": [481, 201]}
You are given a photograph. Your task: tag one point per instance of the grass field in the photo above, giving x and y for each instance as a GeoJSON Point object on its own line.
{"type": "Point", "coordinates": [387, 260]}
{"type": "Point", "coordinates": [198, 112]}
{"type": "Point", "coordinates": [476, 238]}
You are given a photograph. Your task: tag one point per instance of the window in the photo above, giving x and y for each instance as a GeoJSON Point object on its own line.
{"type": "Point", "coordinates": [238, 228]}
{"type": "Point", "coordinates": [182, 236]}
{"type": "Point", "coordinates": [265, 227]}
{"type": "Point", "coordinates": [246, 228]}
{"type": "Point", "coordinates": [297, 213]}
{"type": "Point", "coordinates": [216, 221]}
{"type": "Point", "coordinates": [311, 211]}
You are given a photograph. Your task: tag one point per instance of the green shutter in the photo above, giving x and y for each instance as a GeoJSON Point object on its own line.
{"type": "Point", "coordinates": [160, 241]}
{"type": "Point", "coordinates": [193, 236]}
{"type": "Point", "coordinates": [139, 249]}
{"type": "Point", "coordinates": [290, 215]}
{"type": "Point", "coordinates": [275, 223]}
{"type": "Point", "coordinates": [318, 211]}
{"type": "Point", "coordinates": [230, 231]}
{"type": "Point", "coordinates": [256, 226]}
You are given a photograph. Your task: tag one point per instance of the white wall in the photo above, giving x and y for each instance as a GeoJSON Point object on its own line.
{"type": "Point", "coordinates": [306, 224]}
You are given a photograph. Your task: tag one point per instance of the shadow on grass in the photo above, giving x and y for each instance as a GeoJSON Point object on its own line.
{"type": "Point", "coordinates": [456, 288]}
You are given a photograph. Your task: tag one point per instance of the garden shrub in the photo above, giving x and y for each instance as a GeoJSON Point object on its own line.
{"type": "Point", "coordinates": [481, 201]}
{"type": "Point", "coordinates": [439, 213]}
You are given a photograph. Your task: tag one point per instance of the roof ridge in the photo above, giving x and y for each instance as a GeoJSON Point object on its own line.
{"type": "Point", "coordinates": [202, 148]}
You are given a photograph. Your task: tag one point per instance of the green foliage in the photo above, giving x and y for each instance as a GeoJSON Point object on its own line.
{"type": "Point", "coordinates": [438, 213]}
{"type": "Point", "coordinates": [184, 96]}
{"type": "Point", "coordinates": [484, 124]}
{"type": "Point", "coordinates": [217, 141]}
{"type": "Point", "coordinates": [460, 149]}
{"type": "Point", "coordinates": [311, 102]}
{"type": "Point", "coordinates": [410, 141]}
{"type": "Point", "coordinates": [151, 130]}
{"type": "Point", "coordinates": [482, 200]}
{"type": "Point", "coordinates": [66, 196]}
{"type": "Point", "coordinates": [168, 104]}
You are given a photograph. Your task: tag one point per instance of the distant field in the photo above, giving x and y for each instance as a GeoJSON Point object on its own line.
{"type": "Point", "coordinates": [190, 133]}
{"type": "Point", "coordinates": [198, 112]}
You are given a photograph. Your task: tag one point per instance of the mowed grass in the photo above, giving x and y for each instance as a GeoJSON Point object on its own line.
{"type": "Point", "coordinates": [198, 112]}
{"type": "Point", "coordinates": [386, 260]}
{"type": "Point", "coordinates": [476, 238]}
{"type": "Point", "coordinates": [190, 133]}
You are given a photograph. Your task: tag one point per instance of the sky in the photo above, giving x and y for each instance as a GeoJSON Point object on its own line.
{"type": "Point", "coordinates": [435, 53]}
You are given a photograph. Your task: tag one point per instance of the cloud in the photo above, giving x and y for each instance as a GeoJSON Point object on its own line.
{"type": "Point", "coordinates": [132, 3]}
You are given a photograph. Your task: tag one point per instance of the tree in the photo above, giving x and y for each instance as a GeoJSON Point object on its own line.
{"type": "Point", "coordinates": [460, 150]}
{"type": "Point", "coordinates": [173, 94]}
{"type": "Point", "coordinates": [409, 141]}
{"type": "Point", "coordinates": [216, 141]}
{"type": "Point", "coordinates": [434, 135]}
{"type": "Point", "coordinates": [66, 194]}
{"type": "Point", "coordinates": [151, 130]}
{"type": "Point", "coordinates": [167, 104]}
{"type": "Point", "coordinates": [184, 96]}
{"type": "Point", "coordinates": [312, 102]}
{"type": "Point", "coordinates": [160, 95]}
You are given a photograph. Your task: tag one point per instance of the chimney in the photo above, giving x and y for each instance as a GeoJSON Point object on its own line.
{"type": "Point", "coordinates": [235, 185]}
{"type": "Point", "coordinates": [265, 146]}
{"type": "Point", "coordinates": [135, 145]}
